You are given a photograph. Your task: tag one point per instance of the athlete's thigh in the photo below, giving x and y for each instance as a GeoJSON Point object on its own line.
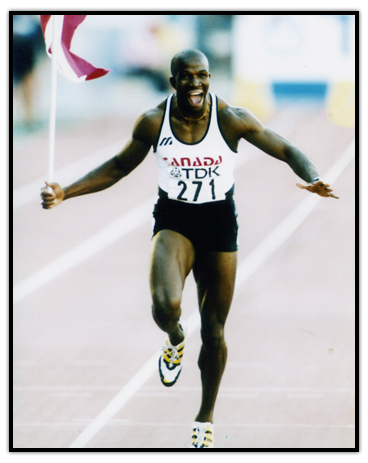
{"type": "Point", "coordinates": [172, 259]}
{"type": "Point", "coordinates": [215, 274]}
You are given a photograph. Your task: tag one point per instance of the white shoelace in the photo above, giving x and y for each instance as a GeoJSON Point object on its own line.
{"type": "Point", "coordinates": [171, 352]}
{"type": "Point", "coordinates": [201, 435]}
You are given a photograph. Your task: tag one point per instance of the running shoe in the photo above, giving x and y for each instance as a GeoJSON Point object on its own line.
{"type": "Point", "coordinates": [202, 436]}
{"type": "Point", "coordinates": [170, 361]}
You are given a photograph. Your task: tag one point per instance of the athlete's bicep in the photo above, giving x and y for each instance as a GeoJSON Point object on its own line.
{"type": "Point", "coordinates": [263, 138]}
{"type": "Point", "coordinates": [138, 146]}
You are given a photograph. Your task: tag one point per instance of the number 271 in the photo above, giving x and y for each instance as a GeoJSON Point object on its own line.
{"type": "Point", "coordinates": [198, 189]}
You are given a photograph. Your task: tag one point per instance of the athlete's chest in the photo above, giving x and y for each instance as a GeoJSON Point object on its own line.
{"type": "Point", "coordinates": [193, 134]}
{"type": "Point", "coordinates": [189, 133]}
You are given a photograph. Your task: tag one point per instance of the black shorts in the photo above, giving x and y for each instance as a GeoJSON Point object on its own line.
{"type": "Point", "coordinates": [209, 226]}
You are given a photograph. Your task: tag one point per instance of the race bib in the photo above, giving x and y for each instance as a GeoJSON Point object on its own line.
{"type": "Point", "coordinates": [195, 185]}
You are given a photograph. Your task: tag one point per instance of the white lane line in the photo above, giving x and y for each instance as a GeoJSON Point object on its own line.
{"type": "Point", "coordinates": [178, 425]}
{"type": "Point", "coordinates": [287, 226]}
{"type": "Point", "coordinates": [104, 238]}
{"type": "Point", "coordinates": [143, 374]}
{"type": "Point", "coordinates": [246, 425]}
{"type": "Point", "coordinates": [30, 192]}
{"type": "Point", "coordinates": [116, 230]}
{"type": "Point", "coordinates": [155, 390]}
{"type": "Point", "coordinates": [246, 269]}
{"type": "Point", "coordinates": [47, 424]}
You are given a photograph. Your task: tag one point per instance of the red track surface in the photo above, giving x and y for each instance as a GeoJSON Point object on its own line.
{"type": "Point", "coordinates": [289, 381]}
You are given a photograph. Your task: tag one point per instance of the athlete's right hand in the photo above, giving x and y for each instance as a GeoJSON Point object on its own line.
{"type": "Point", "coordinates": [52, 195]}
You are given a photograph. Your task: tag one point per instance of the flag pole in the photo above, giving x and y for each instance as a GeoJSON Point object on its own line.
{"type": "Point", "coordinates": [58, 31]}
{"type": "Point", "coordinates": [52, 120]}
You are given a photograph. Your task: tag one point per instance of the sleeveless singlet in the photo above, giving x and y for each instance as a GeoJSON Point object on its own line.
{"type": "Point", "coordinates": [195, 173]}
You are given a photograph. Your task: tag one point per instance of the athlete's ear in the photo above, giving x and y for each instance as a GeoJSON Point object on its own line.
{"type": "Point", "coordinates": [172, 82]}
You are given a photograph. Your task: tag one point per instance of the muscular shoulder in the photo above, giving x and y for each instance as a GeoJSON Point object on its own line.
{"type": "Point", "coordinates": [237, 121]}
{"type": "Point", "coordinates": [147, 126]}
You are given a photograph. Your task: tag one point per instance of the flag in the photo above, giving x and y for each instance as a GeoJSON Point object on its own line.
{"type": "Point", "coordinates": [69, 65]}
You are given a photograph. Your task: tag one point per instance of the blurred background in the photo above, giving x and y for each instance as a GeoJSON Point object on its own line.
{"type": "Point", "coordinates": [82, 299]}
{"type": "Point", "coordinates": [257, 61]}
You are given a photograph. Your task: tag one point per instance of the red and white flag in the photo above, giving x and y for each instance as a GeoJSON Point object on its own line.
{"type": "Point", "coordinates": [69, 65]}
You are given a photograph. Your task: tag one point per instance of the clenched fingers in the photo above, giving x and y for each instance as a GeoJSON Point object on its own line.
{"type": "Point", "coordinates": [48, 196]}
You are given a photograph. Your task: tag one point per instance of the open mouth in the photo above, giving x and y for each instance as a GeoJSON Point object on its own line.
{"type": "Point", "coordinates": [196, 98]}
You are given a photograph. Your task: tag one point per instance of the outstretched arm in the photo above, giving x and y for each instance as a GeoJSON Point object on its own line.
{"type": "Point", "coordinates": [105, 175]}
{"type": "Point", "coordinates": [280, 148]}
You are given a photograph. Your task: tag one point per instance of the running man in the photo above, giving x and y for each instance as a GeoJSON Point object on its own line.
{"type": "Point", "coordinates": [194, 135]}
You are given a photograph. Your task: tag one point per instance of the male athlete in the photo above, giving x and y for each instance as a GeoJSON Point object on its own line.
{"type": "Point", "coordinates": [194, 135]}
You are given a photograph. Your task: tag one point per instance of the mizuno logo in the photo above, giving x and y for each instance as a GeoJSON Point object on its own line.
{"type": "Point", "coordinates": [166, 141]}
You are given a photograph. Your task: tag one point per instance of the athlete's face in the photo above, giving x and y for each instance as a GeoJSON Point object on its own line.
{"type": "Point", "coordinates": [192, 81]}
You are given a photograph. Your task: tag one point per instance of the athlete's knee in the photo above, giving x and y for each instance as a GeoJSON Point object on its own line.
{"type": "Point", "coordinates": [212, 334]}
{"type": "Point", "coordinates": [165, 307]}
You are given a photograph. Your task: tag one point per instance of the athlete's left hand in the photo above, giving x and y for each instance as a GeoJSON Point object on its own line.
{"type": "Point", "coordinates": [319, 187]}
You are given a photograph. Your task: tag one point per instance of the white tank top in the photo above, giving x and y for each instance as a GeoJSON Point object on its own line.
{"type": "Point", "coordinates": [195, 173]}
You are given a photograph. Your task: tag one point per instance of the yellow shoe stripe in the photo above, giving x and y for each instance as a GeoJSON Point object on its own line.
{"type": "Point", "coordinates": [168, 360]}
